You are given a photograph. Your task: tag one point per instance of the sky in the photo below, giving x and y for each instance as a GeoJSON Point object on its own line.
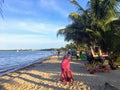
{"type": "Point", "coordinates": [33, 24]}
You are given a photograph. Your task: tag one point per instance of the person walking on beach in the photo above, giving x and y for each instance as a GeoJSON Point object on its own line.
{"type": "Point", "coordinates": [58, 53]}
{"type": "Point", "coordinates": [66, 73]}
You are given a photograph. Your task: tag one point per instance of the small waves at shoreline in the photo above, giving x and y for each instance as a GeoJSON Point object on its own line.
{"type": "Point", "coordinates": [11, 61]}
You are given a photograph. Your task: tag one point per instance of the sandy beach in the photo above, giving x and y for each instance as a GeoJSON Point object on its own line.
{"type": "Point", "coordinates": [45, 76]}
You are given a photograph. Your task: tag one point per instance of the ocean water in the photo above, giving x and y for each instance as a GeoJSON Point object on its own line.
{"type": "Point", "coordinates": [12, 60]}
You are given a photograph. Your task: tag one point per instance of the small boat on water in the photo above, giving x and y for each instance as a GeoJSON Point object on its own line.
{"type": "Point", "coordinates": [17, 50]}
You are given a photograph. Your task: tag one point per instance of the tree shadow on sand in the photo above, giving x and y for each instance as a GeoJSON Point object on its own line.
{"type": "Point", "coordinates": [2, 88]}
{"type": "Point", "coordinates": [78, 68]}
{"type": "Point", "coordinates": [2, 81]}
{"type": "Point", "coordinates": [36, 83]}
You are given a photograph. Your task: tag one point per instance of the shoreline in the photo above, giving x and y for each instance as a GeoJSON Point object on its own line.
{"type": "Point", "coordinates": [45, 76]}
{"type": "Point", "coordinates": [14, 70]}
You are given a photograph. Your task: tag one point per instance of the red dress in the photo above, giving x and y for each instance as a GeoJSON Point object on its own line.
{"type": "Point", "coordinates": [66, 73]}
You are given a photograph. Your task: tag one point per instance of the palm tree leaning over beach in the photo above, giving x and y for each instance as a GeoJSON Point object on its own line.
{"type": "Point", "coordinates": [105, 25]}
{"type": "Point", "coordinates": [105, 18]}
{"type": "Point", "coordinates": [102, 17]}
{"type": "Point", "coordinates": [99, 24]}
{"type": "Point", "coordinates": [75, 31]}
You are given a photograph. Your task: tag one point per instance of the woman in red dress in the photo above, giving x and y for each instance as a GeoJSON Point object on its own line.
{"type": "Point", "coordinates": [66, 73]}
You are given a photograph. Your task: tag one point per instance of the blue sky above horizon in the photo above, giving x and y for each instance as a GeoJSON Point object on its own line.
{"type": "Point", "coordinates": [33, 24]}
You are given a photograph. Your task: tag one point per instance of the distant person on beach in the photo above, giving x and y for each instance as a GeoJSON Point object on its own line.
{"type": "Point", "coordinates": [66, 73]}
{"type": "Point", "coordinates": [58, 53]}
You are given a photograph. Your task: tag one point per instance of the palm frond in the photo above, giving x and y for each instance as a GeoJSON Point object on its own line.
{"type": "Point", "coordinates": [112, 19]}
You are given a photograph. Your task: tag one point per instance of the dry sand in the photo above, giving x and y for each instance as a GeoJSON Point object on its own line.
{"type": "Point", "coordinates": [45, 76]}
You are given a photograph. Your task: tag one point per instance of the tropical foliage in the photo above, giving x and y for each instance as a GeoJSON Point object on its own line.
{"type": "Point", "coordinates": [98, 24]}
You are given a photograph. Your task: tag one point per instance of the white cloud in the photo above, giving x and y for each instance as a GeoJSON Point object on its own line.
{"type": "Point", "coordinates": [19, 29]}
{"type": "Point", "coordinates": [19, 7]}
{"type": "Point", "coordinates": [53, 4]}
{"type": "Point", "coordinates": [36, 27]}
{"type": "Point", "coordinates": [45, 36]}
{"type": "Point", "coordinates": [28, 41]}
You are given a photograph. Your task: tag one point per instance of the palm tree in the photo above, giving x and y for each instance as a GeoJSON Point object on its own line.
{"type": "Point", "coordinates": [99, 24]}
{"type": "Point", "coordinates": [76, 30]}
{"type": "Point", "coordinates": [101, 14]}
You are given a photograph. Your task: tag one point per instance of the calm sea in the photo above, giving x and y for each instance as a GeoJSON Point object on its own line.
{"type": "Point", "coordinates": [12, 60]}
